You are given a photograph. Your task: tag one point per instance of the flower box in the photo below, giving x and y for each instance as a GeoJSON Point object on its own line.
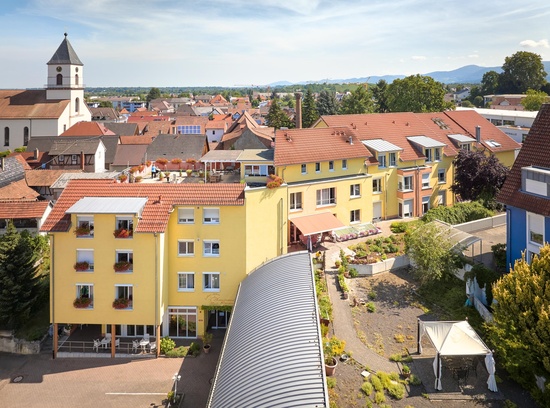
{"type": "Point", "coordinates": [123, 233]}
{"type": "Point", "coordinates": [82, 266]}
{"type": "Point", "coordinates": [121, 303]}
{"type": "Point", "coordinates": [122, 266]}
{"type": "Point", "coordinates": [82, 302]}
{"type": "Point", "coordinates": [82, 231]}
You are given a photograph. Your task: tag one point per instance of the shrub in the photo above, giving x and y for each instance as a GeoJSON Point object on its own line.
{"type": "Point", "coordinates": [367, 388]}
{"type": "Point", "coordinates": [459, 213]}
{"type": "Point", "coordinates": [334, 347]}
{"type": "Point", "coordinates": [379, 397]}
{"type": "Point", "coordinates": [372, 295]}
{"type": "Point", "coordinates": [353, 273]}
{"type": "Point", "coordinates": [194, 349]}
{"type": "Point", "coordinates": [399, 338]}
{"type": "Point", "coordinates": [376, 383]}
{"type": "Point", "coordinates": [396, 391]}
{"type": "Point", "coordinates": [396, 358]}
{"type": "Point", "coordinates": [414, 380]}
{"type": "Point", "coordinates": [384, 378]}
{"type": "Point", "coordinates": [371, 308]}
{"type": "Point", "coordinates": [166, 344]}
{"type": "Point", "coordinates": [177, 352]}
{"type": "Point", "coordinates": [331, 382]}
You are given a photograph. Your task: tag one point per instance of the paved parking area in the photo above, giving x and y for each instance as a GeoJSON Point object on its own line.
{"type": "Point", "coordinates": [104, 382]}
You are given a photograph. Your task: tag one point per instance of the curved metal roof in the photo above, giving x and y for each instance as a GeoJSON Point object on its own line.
{"type": "Point", "coordinates": [272, 353]}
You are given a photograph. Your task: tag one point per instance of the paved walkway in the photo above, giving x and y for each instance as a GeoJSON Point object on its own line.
{"type": "Point", "coordinates": [342, 324]}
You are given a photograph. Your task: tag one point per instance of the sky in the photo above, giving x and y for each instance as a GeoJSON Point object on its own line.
{"type": "Point", "coordinates": [254, 43]}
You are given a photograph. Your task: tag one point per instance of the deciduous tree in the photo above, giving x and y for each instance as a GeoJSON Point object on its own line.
{"type": "Point", "coordinates": [534, 100]}
{"type": "Point", "coordinates": [522, 71]}
{"type": "Point", "coordinates": [416, 93]}
{"type": "Point", "coordinates": [359, 101]}
{"type": "Point", "coordinates": [154, 93]}
{"type": "Point", "coordinates": [520, 331]}
{"type": "Point", "coordinates": [489, 83]}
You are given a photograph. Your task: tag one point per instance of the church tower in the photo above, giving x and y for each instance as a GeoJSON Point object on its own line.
{"type": "Point", "coordinates": [65, 81]}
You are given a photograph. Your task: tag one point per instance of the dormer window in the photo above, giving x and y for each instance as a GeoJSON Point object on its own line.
{"type": "Point", "coordinates": [393, 159]}
{"type": "Point", "coordinates": [437, 154]}
{"type": "Point", "coordinates": [381, 160]}
{"type": "Point", "coordinates": [535, 180]}
{"type": "Point", "coordinates": [428, 154]}
{"type": "Point", "coordinates": [465, 146]}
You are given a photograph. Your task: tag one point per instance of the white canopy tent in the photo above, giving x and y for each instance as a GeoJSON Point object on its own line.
{"type": "Point", "coordinates": [456, 339]}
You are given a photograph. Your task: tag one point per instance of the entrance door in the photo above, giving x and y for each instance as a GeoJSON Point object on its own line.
{"type": "Point", "coordinates": [377, 211]}
{"type": "Point", "coordinates": [218, 319]}
{"type": "Point", "coordinates": [182, 322]}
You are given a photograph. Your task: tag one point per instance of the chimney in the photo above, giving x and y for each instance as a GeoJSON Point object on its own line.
{"type": "Point", "coordinates": [298, 96]}
{"type": "Point", "coordinates": [36, 153]}
{"type": "Point", "coordinates": [478, 134]}
{"type": "Point", "coordinates": [82, 161]}
{"type": "Point", "coordinates": [350, 140]}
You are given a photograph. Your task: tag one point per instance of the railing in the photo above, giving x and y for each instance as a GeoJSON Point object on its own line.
{"type": "Point", "coordinates": [88, 347]}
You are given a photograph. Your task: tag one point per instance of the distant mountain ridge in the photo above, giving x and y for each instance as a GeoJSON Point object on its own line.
{"type": "Point", "coordinates": [468, 74]}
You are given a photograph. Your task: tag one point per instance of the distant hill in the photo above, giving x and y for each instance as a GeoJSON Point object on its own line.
{"type": "Point", "coordinates": [469, 74]}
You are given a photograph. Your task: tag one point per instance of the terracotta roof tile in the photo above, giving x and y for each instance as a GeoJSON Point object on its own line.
{"type": "Point", "coordinates": [18, 190]}
{"type": "Point", "coordinates": [38, 178]}
{"type": "Point", "coordinates": [533, 153]}
{"type": "Point", "coordinates": [16, 104]}
{"type": "Point", "coordinates": [156, 212]}
{"type": "Point", "coordinates": [87, 129]}
{"type": "Point", "coordinates": [23, 209]}
{"type": "Point", "coordinates": [136, 140]}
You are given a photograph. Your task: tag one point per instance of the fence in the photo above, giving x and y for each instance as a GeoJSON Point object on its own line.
{"type": "Point", "coordinates": [484, 223]}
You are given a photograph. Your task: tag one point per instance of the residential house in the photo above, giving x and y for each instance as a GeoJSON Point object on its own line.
{"type": "Point", "coordinates": [157, 258]}
{"type": "Point", "coordinates": [25, 114]}
{"type": "Point", "coordinates": [129, 155]}
{"type": "Point", "coordinates": [190, 125]}
{"type": "Point", "coordinates": [25, 215]}
{"type": "Point", "coordinates": [245, 133]}
{"type": "Point", "coordinates": [526, 193]}
{"type": "Point", "coordinates": [84, 154]}
{"type": "Point", "coordinates": [41, 181]}
{"type": "Point", "coordinates": [106, 114]}
{"type": "Point", "coordinates": [182, 147]}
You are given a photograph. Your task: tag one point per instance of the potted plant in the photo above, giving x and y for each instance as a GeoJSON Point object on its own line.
{"type": "Point", "coordinates": [123, 178]}
{"type": "Point", "coordinates": [82, 266]}
{"type": "Point", "coordinates": [206, 342]}
{"type": "Point", "coordinates": [122, 233]}
{"type": "Point", "coordinates": [333, 347]}
{"type": "Point", "coordinates": [82, 302]}
{"type": "Point", "coordinates": [122, 266]}
{"type": "Point", "coordinates": [82, 231]}
{"type": "Point", "coordinates": [121, 303]}
{"type": "Point", "coordinates": [189, 171]}
{"type": "Point", "coordinates": [406, 371]}
{"type": "Point", "coordinates": [138, 179]}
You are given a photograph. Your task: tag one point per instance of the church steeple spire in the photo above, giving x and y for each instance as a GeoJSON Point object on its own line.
{"type": "Point", "coordinates": [65, 54]}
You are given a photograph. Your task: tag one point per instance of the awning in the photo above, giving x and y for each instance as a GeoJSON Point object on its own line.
{"type": "Point", "coordinates": [316, 223]}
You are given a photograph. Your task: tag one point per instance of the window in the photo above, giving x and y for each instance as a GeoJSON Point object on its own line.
{"type": "Point", "coordinates": [425, 204]}
{"type": "Point", "coordinates": [355, 216]}
{"type": "Point", "coordinates": [25, 136]}
{"type": "Point", "coordinates": [381, 160]}
{"type": "Point", "coordinates": [59, 79]}
{"type": "Point", "coordinates": [6, 136]}
{"type": "Point", "coordinates": [331, 166]}
{"type": "Point", "coordinates": [428, 154]}
{"type": "Point", "coordinates": [255, 170]}
{"type": "Point", "coordinates": [437, 151]}
{"type": "Point", "coordinates": [536, 228]}
{"type": "Point", "coordinates": [393, 159]}
{"type": "Point", "coordinates": [74, 159]}
{"type": "Point", "coordinates": [76, 79]}
{"type": "Point", "coordinates": [355, 190]}
{"type": "Point", "coordinates": [125, 223]}
{"type": "Point", "coordinates": [186, 216]}
{"type": "Point", "coordinates": [465, 146]}
{"type": "Point", "coordinates": [186, 248]}
{"type": "Point", "coordinates": [211, 216]}
{"type": "Point", "coordinates": [211, 248]}
{"type": "Point", "coordinates": [441, 176]}
{"type": "Point", "coordinates": [317, 167]}
{"type": "Point", "coordinates": [304, 168]}
{"type": "Point", "coordinates": [344, 164]}
{"type": "Point", "coordinates": [186, 281]}
{"type": "Point", "coordinates": [85, 291]}
{"type": "Point", "coordinates": [211, 281]}
{"type": "Point", "coordinates": [326, 196]}
{"type": "Point", "coordinates": [83, 257]}
{"type": "Point", "coordinates": [126, 257]}
{"type": "Point", "coordinates": [426, 180]}
{"type": "Point", "coordinates": [405, 183]}
{"type": "Point", "coordinates": [440, 200]}
{"type": "Point", "coordinates": [295, 201]}
{"type": "Point", "coordinates": [84, 227]}
{"type": "Point", "coordinates": [77, 105]}
{"type": "Point", "coordinates": [61, 159]}
{"type": "Point", "coordinates": [376, 185]}
{"type": "Point", "coordinates": [125, 292]}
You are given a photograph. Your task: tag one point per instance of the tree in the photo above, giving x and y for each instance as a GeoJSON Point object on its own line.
{"type": "Point", "coordinates": [431, 253]}
{"type": "Point", "coordinates": [534, 100]}
{"type": "Point", "coordinates": [309, 110]}
{"type": "Point", "coordinates": [105, 104]}
{"type": "Point", "coordinates": [380, 97]}
{"type": "Point", "coordinates": [21, 282]}
{"type": "Point", "coordinates": [359, 101]}
{"type": "Point", "coordinates": [416, 93]}
{"type": "Point", "coordinates": [520, 331]}
{"type": "Point", "coordinates": [327, 103]}
{"type": "Point", "coordinates": [522, 71]}
{"type": "Point", "coordinates": [276, 117]}
{"type": "Point", "coordinates": [489, 83]}
{"type": "Point", "coordinates": [478, 176]}
{"type": "Point", "coordinates": [154, 93]}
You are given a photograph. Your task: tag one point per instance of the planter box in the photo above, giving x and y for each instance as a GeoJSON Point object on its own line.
{"type": "Point", "coordinates": [382, 266]}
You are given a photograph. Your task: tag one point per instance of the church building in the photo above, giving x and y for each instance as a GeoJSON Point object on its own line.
{"type": "Point", "coordinates": [45, 112]}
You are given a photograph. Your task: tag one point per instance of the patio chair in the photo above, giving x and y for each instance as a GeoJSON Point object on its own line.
{"type": "Point", "coordinates": [117, 343]}
{"type": "Point", "coordinates": [152, 347]}
{"type": "Point", "coordinates": [135, 345]}
{"type": "Point", "coordinates": [147, 337]}
{"type": "Point", "coordinates": [97, 343]}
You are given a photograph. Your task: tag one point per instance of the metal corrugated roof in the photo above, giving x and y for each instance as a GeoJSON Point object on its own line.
{"type": "Point", "coordinates": [426, 141]}
{"type": "Point", "coordinates": [381, 146]}
{"type": "Point", "coordinates": [272, 353]}
{"type": "Point", "coordinates": [462, 138]}
{"type": "Point", "coordinates": [108, 205]}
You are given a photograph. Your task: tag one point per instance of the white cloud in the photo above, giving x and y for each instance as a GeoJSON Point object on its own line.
{"type": "Point", "coordinates": [535, 44]}
{"type": "Point", "coordinates": [418, 57]}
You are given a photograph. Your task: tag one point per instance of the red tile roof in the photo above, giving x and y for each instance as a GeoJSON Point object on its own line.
{"type": "Point", "coordinates": [15, 104]}
{"type": "Point", "coordinates": [18, 190]}
{"type": "Point", "coordinates": [39, 178]}
{"type": "Point", "coordinates": [296, 146]}
{"type": "Point", "coordinates": [136, 140]}
{"type": "Point", "coordinates": [533, 153]}
{"type": "Point", "coordinates": [161, 199]}
{"type": "Point", "coordinates": [87, 129]}
{"type": "Point", "coordinates": [22, 209]}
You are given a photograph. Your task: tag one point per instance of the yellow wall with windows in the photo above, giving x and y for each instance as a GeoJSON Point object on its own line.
{"type": "Point", "coordinates": [104, 245]}
{"type": "Point", "coordinates": [293, 173]}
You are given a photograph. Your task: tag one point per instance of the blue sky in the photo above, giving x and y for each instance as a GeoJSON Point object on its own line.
{"type": "Point", "coordinates": [243, 42]}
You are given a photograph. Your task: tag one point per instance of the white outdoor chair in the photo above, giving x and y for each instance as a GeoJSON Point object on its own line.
{"type": "Point", "coordinates": [146, 336]}
{"type": "Point", "coordinates": [97, 343]}
{"type": "Point", "coordinates": [135, 346]}
{"type": "Point", "coordinates": [117, 343]}
{"type": "Point", "coordinates": [152, 347]}
{"type": "Point", "coordinates": [108, 336]}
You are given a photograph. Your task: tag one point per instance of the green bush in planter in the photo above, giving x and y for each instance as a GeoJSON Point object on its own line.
{"type": "Point", "coordinates": [166, 344]}
{"type": "Point", "coordinates": [195, 349]}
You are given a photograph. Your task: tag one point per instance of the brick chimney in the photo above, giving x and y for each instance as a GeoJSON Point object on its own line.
{"type": "Point", "coordinates": [36, 153]}
{"type": "Point", "coordinates": [82, 161]}
{"type": "Point", "coordinates": [298, 96]}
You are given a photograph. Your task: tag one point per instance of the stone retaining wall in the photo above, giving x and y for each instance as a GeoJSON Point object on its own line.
{"type": "Point", "coordinates": [382, 266]}
{"type": "Point", "coordinates": [11, 344]}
